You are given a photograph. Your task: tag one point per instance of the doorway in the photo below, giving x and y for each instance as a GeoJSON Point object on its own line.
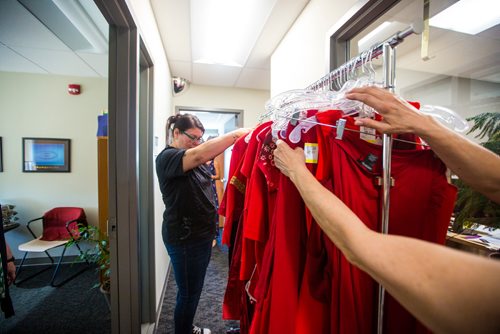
{"type": "Point", "coordinates": [217, 121]}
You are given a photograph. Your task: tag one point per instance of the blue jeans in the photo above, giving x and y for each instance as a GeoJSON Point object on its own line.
{"type": "Point", "coordinates": [190, 262]}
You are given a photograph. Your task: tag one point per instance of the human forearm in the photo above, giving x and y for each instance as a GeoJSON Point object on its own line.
{"type": "Point", "coordinates": [475, 165]}
{"type": "Point", "coordinates": [339, 223]}
{"type": "Point", "coordinates": [11, 267]}
{"type": "Point", "coordinates": [428, 276]}
{"type": "Point", "coordinates": [431, 281]}
{"type": "Point", "coordinates": [207, 151]}
{"type": "Point", "coordinates": [434, 283]}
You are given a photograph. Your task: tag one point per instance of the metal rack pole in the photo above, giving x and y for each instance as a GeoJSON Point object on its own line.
{"type": "Point", "coordinates": [377, 50]}
{"type": "Point", "coordinates": [388, 52]}
{"type": "Point", "coordinates": [389, 57]}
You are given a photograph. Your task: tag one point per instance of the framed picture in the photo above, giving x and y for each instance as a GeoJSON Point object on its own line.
{"type": "Point", "coordinates": [46, 155]}
{"type": "Point", "coordinates": [1, 156]}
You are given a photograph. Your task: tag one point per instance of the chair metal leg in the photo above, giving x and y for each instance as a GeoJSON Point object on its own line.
{"type": "Point", "coordinates": [52, 282]}
{"type": "Point", "coordinates": [17, 281]}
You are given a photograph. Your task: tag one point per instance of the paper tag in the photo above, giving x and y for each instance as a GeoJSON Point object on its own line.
{"type": "Point", "coordinates": [369, 135]}
{"type": "Point", "coordinates": [311, 153]}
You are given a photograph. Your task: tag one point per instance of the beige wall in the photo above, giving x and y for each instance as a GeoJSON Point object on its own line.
{"type": "Point", "coordinates": [252, 101]}
{"type": "Point", "coordinates": [302, 56]}
{"type": "Point", "coordinates": [38, 105]}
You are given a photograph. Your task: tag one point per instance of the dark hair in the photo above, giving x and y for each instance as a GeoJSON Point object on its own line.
{"type": "Point", "coordinates": [182, 122]}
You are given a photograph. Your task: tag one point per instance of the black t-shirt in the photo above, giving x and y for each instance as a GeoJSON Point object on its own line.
{"type": "Point", "coordinates": [190, 210]}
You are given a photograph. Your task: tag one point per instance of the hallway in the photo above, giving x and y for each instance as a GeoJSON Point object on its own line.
{"type": "Point", "coordinates": [209, 312]}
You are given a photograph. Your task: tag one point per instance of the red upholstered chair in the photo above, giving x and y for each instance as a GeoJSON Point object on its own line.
{"type": "Point", "coordinates": [60, 227]}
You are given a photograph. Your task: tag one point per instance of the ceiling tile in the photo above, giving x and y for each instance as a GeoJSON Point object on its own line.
{"type": "Point", "coordinates": [254, 79]}
{"type": "Point", "coordinates": [11, 61]}
{"type": "Point", "coordinates": [174, 24]}
{"type": "Point", "coordinates": [98, 62]}
{"type": "Point", "coordinates": [181, 69]}
{"type": "Point", "coordinates": [281, 19]}
{"type": "Point", "coordinates": [18, 28]}
{"type": "Point", "coordinates": [58, 62]}
{"type": "Point", "coordinates": [215, 75]}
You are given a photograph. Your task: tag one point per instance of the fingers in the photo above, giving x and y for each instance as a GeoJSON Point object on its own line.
{"type": "Point", "coordinates": [281, 144]}
{"type": "Point", "coordinates": [286, 159]}
{"type": "Point", "coordinates": [11, 277]}
{"type": "Point", "coordinates": [279, 153]}
{"type": "Point", "coordinates": [373, 96]}
{"type": "Point", "coordinates": [371, 123]}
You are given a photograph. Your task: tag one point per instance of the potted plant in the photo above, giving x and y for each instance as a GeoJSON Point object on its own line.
{"type": "Point", "coordinates": [8, 214]}
{"type": "Point", "coordinates": [97, 253]}
{"type": "Point", "coordinates": [472, 207]}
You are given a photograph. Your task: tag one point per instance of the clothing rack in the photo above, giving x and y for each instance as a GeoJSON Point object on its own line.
{"type": "Point", "coordinates": [388, 52]}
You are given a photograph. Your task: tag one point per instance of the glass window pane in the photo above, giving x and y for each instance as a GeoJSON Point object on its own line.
{"type": "Point", "coordinates": [463, 72]}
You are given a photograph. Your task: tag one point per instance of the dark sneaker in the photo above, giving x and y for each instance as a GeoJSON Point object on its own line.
{"type": "Point", "coordinates": [198, 330]}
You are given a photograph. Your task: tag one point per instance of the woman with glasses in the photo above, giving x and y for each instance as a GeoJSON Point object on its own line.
{"type": "Point", "coordinates": [189, 223]}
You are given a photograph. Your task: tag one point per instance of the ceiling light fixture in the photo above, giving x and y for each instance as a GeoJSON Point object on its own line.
{"type": "Point", "coordinates": [84, 23]}
{"type": "Point", "coordinates": [225, 31]}
{"type": "Point", "coordinates": [468, 16]}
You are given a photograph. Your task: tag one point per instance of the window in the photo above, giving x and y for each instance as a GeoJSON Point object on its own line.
{"type": "Point", "coordinates": [462, 72]}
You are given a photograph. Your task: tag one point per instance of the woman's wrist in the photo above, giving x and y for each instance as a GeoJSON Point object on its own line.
{"type": "Point", "coordinates": [234, 136]}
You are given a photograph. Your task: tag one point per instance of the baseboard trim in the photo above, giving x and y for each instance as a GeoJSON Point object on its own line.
{"type": "Point", "coordinates": [44, 261]}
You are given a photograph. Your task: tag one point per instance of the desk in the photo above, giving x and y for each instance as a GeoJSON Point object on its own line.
{"type": "Point", "coordinates": [9, 227]}
{"type": "Point", "coordinates": [460, 241]}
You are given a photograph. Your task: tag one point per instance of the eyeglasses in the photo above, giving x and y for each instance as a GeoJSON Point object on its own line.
{"type": "Point", "coordinates": [193, 138]}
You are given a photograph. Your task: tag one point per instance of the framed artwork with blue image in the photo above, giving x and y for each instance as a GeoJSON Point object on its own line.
{"type": "Point", "coordinates": [46, 155]}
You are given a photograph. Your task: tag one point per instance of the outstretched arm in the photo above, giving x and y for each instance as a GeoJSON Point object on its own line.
{"type": "Point", "coordinates": [475, 165]}
{"type": "Point", "coordinates": [200, 154]}
{"type": "Point", "coordinates": [447, 290]}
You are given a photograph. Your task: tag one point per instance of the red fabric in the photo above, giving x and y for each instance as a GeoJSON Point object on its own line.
{"type": "Point", "coordinates": [305, 284]}
{"type": "Point", "coordinates": [289, 249]}
{"type": "Point", "coordinates": [232, 201]}
{"type": "Point", "coordinates": [420, 207]}
{"type": "Point", "coordinates": [232, 307]}
{"type": "Point", "coordinates": [252, 202]}
{"type": "Point", "coordinates": [54, 223]}
{"type": "Point", "coordinates": [258, 202]}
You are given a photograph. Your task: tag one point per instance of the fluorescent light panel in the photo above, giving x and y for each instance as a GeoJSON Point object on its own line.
{"type": "Point", "coordinates": [468, 16]}
{"type": "Point", "coordinates": [225, 31]}
{"type": "Point", "coordinates": [380, 34]}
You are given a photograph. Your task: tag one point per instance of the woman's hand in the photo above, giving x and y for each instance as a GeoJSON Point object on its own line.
{"type": "Point", "coordinates": [11, 272]}
{"type": "Point", "coordinates": [289, 161]}
{"type": "Point", "coordinates": [398, 115]}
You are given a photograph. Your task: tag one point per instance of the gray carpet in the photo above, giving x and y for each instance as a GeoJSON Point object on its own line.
{"type": "Point", "coordinates": [75, 307]}
{"type": "Point", "coordinates": [209, 313]}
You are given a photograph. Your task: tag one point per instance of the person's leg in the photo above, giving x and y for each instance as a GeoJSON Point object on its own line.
{"type": "Point", "coordinates": [190, 264]}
